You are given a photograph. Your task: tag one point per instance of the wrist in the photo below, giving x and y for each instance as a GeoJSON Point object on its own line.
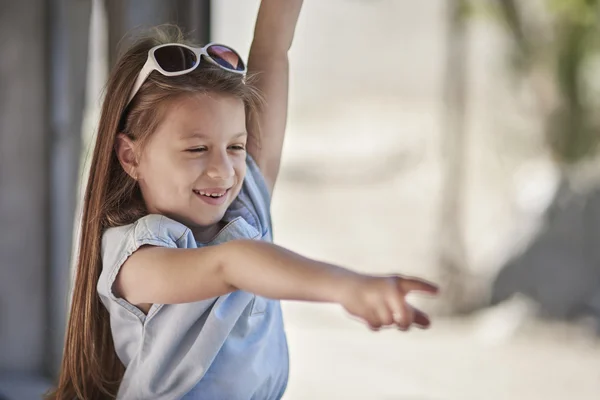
{"type": "Point", "coordinates": [269, 48]}
{"type": "Point", "coordinates": [345, 286]}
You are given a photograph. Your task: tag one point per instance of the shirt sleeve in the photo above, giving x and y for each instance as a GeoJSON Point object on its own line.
{"type": "Point", "coordinates": [121, 242]}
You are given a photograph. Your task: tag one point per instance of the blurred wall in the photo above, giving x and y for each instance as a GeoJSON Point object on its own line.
{"type": "Point", "coordinates": [24, 198]}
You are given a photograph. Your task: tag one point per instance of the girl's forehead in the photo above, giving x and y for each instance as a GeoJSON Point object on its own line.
{"type": "Point", "coordinates": [203, 117]}
{"type": "Point", "coordinates": [205, 108]}
{"type": "Point", "coordinates": [201, 101]}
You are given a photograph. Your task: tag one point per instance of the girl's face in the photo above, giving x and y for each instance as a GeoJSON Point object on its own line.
{"type": "Point", "coordinates": [193, 165]}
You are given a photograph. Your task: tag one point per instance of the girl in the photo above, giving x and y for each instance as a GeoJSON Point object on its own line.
{"type": "Point", "coordinates": [178, 283]}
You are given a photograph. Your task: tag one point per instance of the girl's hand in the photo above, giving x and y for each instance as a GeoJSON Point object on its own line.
{"type": "Point", "coordinates": [381, 301]}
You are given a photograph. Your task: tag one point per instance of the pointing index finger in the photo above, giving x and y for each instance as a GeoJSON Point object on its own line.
{"type": "Point", "coordinates": [417, 285]}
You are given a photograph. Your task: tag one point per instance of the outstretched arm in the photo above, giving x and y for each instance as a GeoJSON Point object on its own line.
{"type": "Point", "coordinates": [171, 276]}
{"type": "Point", "coordinates": [268, 59]}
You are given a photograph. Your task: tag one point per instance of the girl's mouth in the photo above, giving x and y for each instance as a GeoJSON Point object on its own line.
{"type": "Point", "coordinates": [213, 197]}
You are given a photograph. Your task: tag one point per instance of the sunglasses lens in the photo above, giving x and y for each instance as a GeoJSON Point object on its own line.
{"type": "Point", "coordinates": [175, 58]}
{"type": "Point", "coordinates": [226, 57]}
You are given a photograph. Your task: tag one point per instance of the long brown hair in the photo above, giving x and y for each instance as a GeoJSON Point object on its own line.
{"type": "Point", "coordinates": [90, 368]}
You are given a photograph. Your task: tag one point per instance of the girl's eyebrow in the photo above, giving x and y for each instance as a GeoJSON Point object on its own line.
{"type": "Point", "coordinates": [201, 135]}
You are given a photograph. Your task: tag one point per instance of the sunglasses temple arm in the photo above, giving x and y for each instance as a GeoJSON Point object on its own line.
{"type": "Point", "coordinates": [141, 78]}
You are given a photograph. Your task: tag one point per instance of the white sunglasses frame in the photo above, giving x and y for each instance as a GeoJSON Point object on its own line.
{"type": "Point", "coordinates": [152, 65]}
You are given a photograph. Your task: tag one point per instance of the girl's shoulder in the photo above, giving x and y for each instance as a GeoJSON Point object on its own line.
{"type": "Point", "coordinates": [118, 243]}
{"type": "Point", "coordinates": [152, 229]}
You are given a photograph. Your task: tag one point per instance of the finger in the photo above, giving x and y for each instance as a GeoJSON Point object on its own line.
{"type": "Point", "coordinates": [403, 326]}
{"type": "Point", "coordinates": [421, 319]}
{"type": "Point", "coordinates": [375, 327]}
{"type": "Point", "coordinates": [384, 314]}
{"type": "Point", "coordinates": [373, 321]}
{"type": "Point", "coordinates": [396, 304]}
{"type": "Point", "coordinates": [407, 318]}
{"type": "Point", "coordinates": [404, 320]}
{"type": "Point", "coordinates": [417, 285]}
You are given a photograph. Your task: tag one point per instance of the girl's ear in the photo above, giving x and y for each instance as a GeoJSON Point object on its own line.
{"type": "Point", "coordinates": [125, 149]}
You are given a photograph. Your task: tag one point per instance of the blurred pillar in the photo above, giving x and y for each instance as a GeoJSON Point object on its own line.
{"type": "Point", "coordinates": [42, 83]}
{"type": "Point", "coordinates": [69, 25]}
{"type": "Point", "coordinates": [125, 16]}
{"type": "Point", "coordinates": [460, 288]}
{"type": "Point", "coordinates": [23, 185]}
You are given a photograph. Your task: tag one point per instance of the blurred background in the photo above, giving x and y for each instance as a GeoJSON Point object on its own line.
{"type": "Point", "coordinates": [450, 139]}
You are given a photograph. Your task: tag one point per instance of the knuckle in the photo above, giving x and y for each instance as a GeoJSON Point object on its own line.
{"type": "Point", "coordinates": [388, 320]}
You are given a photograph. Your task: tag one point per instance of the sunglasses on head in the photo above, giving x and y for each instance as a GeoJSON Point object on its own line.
{"type": "Point", "coordinates": [175, 59]}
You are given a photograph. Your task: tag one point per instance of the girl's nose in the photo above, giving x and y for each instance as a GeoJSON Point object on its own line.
{"type": "Point", "coordinates": [220, 166]}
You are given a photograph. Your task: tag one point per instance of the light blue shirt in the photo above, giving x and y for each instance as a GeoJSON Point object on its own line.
{"type": "Point", "coordinates": [232, 347]}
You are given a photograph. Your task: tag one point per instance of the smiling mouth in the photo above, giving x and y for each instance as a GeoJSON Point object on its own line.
{"type": "Point", "coordinates": [213, 197]}
{"type": "Point", "coordinates": [211, 194]}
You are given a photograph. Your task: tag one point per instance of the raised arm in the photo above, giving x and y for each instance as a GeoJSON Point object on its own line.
{"type": "Point", "coordinates": [170, 276]}
{"type": "Point", "coordinates": [273, 35]}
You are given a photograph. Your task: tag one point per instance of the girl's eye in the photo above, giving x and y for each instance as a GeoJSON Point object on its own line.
{"type": "Point", "coordinates": [237, 147]}
{"type": "Point", "coordinates": [196, 150]}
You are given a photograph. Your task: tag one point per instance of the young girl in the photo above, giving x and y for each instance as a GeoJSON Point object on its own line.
{"type": "Point", "coordinates": [178, 282]}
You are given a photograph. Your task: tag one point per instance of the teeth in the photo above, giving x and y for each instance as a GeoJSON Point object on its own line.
{"type": "Point", "coordinates": [214, 195]}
